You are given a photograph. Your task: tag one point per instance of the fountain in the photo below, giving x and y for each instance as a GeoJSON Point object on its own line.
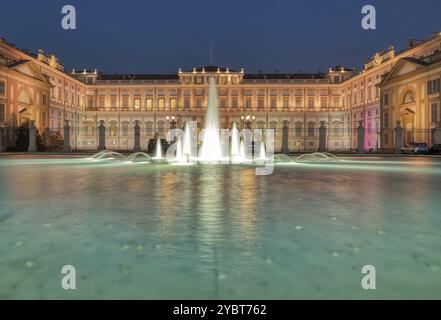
{"type": "Point", "coordinates": [134, 157]}
{"type": "Point", "coordinates": [235, 145]}
{"type": "Point", "coordinates": [262, 154]}
{"type": "Point", "coordinates": [317, 157]}
{"type": "Point", "coordinates": [158, 154]}
{"type": "Point", "coordinates": [107, 155]}
{"type": "Point", "coordinates": [211, 147]}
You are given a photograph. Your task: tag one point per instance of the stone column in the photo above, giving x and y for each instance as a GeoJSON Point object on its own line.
{"type": "Point", "coordinates": [285, 147]}
{"type": "Point", "coordinates": [398, 132]}
{"type": "Point", "coordinates": [32, 138]}
{"type": "Point", "coordinates": [360, 136]}
{"type": "Point", "coordinates": [322, 137]}
{"type": "Point", "coordinates": [137, 132]}
{"type": "Point", "coordinates": [67, 147]}
{"type": "Point", "coordinates": [2, 139]}
{"type": "Point", "coordinates": [436, 134]}
{"type": "Point", "coordinates": [101, 136]}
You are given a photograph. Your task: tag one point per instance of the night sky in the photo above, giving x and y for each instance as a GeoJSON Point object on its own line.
{"type": "Point", "coordinates": [161, 36]}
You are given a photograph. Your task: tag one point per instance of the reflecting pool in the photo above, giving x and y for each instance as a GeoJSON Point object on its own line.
{"type": "Point", "coordinates": [158, 231]}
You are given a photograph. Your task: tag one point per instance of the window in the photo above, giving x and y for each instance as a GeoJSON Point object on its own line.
{"type": "Point", "coordinates": [248, 103]}
{"type": "Point", "coordinates": [222, 103]}
{"type": "Point", "coordinates": [310, 102]}
{"type": "Point", "coordinates": [311, 129]}
{"type": "Point", "coordinates": [433, 86]}
{"type": "Point", "coordinates": [434, 109]}
{"type": "Point", "coordinates": [125, 129]}
{"type": "Point", "coordinates": [89, 103]}
{"type": "Point", "coordinates": [298, 129]}
{"type": "Point", "coordinates": [285, 103]}
{"type": "Point", "coordinates": [173, 104]}
{"type": "Point", "coordinates": [234, 103]}
{"type": "Point", "coordinates": [324, 103]}
{"type": "Point", "coordinates": [149, 129]}
{"type": "Point", "coordinates": [198, 103]}
{"type": "Point", "coordinates": [125, 103]}
{"type": "Point", "coordinates": [335, 102]}
{"type": "Point", "coordinates": [298, 103]}
{"type": "Point", "coordinates": [260, 104]}
{"type": "Point", "coordinates": [44, 99]}
{"type": "Point", "coordinates": [113, 103]}
{"type": "Point", "coordinates": [148, 103]}
{"type": "Point", "coordinates": [273, 103]}
{"type": "Point", "coordinates": [187, 103]}
{"type": "Point", "coordinates": [2, 112]}
{"type": "Point", "coordinates": [386, 120]}
{"type": "Point", "coordinates": [101, 103]}
{"type": "Point", "coordinates": [161, 104]}
{"type": "Point", "coordinates": [2, 88]}
{"type": "Point", "coordinates": [113, 130]}
{"type": "Point", "coordinates": [137, 104]}
{"type": "Point", "coordinates": [386, 99]}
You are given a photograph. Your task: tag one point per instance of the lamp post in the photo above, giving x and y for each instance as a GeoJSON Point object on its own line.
{"type": "Point", "coordinates": [247, 120]}
{"type": "Point", "coordinates": [172, 122]}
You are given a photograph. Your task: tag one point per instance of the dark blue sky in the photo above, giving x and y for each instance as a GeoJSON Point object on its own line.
{"type": "Point", "coordinates": [162, 36]}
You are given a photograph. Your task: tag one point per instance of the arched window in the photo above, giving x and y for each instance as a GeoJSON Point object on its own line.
{"type": "Point", "coordinates": [89, 129]}
{"type": "Point", "coordinates": [261, 124]}
{"type": "Point", "coordinates": [311, 129]}
{"type": "Point", "coordinates": [298, 129]}
{"type": "Point", "coordinates": [149, 129]}
{"type": "Point", "coordinates": [409, 97]}
{"type": "Point", "coordinates": [113, 129]}
{"type": "Point", "coordinates": [125, 129]}
{"type": "Point", "coordinates": [161, 128]}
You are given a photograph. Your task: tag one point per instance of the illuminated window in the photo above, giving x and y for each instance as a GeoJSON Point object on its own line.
{"type": "Point", "coordinates": [161, 104]}
{"type": "Point", "coordinates": [149, 103]}
{"type": "Point", "coordinates": [273, 103]}
{"type": "Point", "coordinates": [125, 103]}
{"type": "Point", "coordinates": [310, 102]}
{"type": "Point", "coordinates": [285, 103]}
{"type": "Point", "coordinates": [137, 104]}
{"type": "Point", "coordinates": [113, 130]}
{"type": "Point", "coordinates": [113, 103]}
{"type": "Point", "coordinates": [298, 103]}
{"type": "Point", "coordinates": [173, 104]}
{"type": "Point", "coordinates": [248, 103]}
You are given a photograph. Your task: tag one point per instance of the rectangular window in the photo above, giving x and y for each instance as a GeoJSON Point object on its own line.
{"type": "Point", "coordinates": [2, 88]}
{"type": "Point", "coordinates": [187, 103]}
{"type": "Point", "coordinates": [89, 103]}
{"type": "Point", "coordinates": [101, 103]}
{"type": "Point", "coordinates": [260, 104]}
{"type": "Point", "coordinates": [298, 103]}
{"type": "Point", "coordinates": [113, 103]}
{"type": "Point", "coordinates": [173, 104]}
{"type": "Point", "coordinates": [324, 103]}
{"type": "Point", "coordinates": [137, 104]}
{"type": "Point", "coordinates": [2, 112]}
{"type": "Point", "coordinates": [386, 99]}
{"type": "Point", "coordinates": [310, 102]}
{"type": "Point", "coordinates": [198, 103]}
{"type": "Point", "coordinates": [433, 86]}
{"type": "Point", "coordinates": [386, 120]}
{"type": "Point", "coordinates": [222, 103]}
{"type": "Point", "coordinates": [234, 103]}
{"type": "Point", "coordinates": [161, 104]}
{"type": "Point", "coordinates": [336, 103]}
{"type": "Point", "coordinates": [44, 99]}
{"type": "Point", "coordinates": [248, 103]}
{"type": "Point", "coordinates": [285, 103]}
{"type": "Point", "coordinates": [125, 103]}
{"type": "Point", "coordinates": [149, 104]}
{"type": "Point", "coordinates": [434, 112]}
{"type": "Point", "coordinates": [273, 103]}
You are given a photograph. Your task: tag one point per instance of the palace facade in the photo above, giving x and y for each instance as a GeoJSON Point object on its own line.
{"type": "Point", "coordinates": [393, 88]}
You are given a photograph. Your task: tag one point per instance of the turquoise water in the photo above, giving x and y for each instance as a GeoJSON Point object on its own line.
{"type": "Point", "coordinates": [149, 231]}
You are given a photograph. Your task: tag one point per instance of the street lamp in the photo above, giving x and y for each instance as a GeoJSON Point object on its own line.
{"type": "Point", "coordinates": [247, 120]}
{"type": "Point", "coordinates": [171, 121]}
